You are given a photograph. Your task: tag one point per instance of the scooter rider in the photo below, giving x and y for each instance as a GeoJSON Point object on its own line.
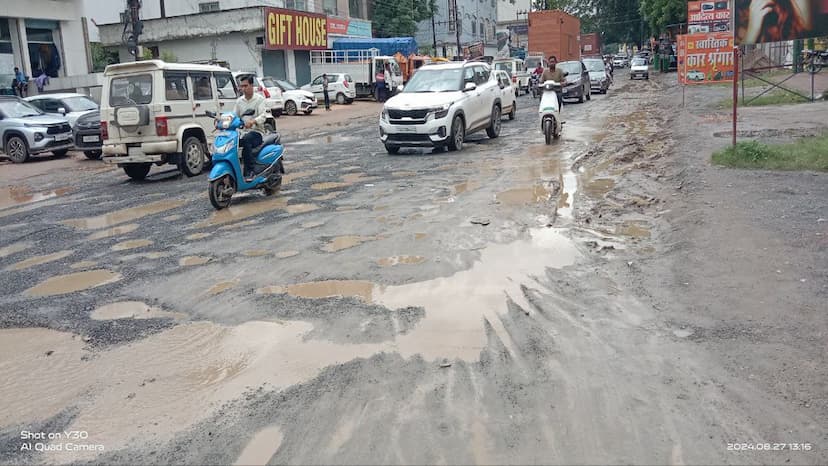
{"type": "Point", "coordinates": [554, 74]}
{"type": "Point", "coordinates": [250, 100]}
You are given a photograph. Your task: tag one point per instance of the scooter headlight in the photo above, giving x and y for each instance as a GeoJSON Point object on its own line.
{"type": "Point", "coordinates": [225, 122]}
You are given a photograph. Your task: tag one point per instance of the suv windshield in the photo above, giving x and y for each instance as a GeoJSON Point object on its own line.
{"type": "Point", "coordinates": [131, 90]}
{"type": "Point", "coordinates": [532, 62]}
{"type": "Point", "coordinates": [504, 66]}
{"type": "Point", "coordinates": [638, 62]}
{"type": "Point", "coordinates": [594, 65]}
{"type": "Point", "coordinates": [435, 80]}
{"type": "Point", "coordinates": [571, 67]}
{"type": "Point", "coordinates": [79, 104]}
{"type": "Point", "coordinates": [288, 86]}
{"type": "Point", "coordinates": [18, 109]}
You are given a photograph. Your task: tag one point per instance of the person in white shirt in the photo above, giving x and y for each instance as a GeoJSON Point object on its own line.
{"type": "Point", "coordinates": [250, 100]}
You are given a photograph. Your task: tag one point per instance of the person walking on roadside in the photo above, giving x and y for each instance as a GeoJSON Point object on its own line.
{"type": "Point", "coordinates": [325, 92]}
{"type": "Point", "coordinates": [19, 83]}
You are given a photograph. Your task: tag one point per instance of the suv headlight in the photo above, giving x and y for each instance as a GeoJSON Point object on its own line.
{"type": "Point", "coordinates": [384, 115]}
{"type": "Point", "coordinates": [441, 112]}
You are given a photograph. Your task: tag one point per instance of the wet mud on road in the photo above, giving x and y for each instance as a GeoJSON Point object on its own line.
{"type": "Point", "coordinates": [470, 301]}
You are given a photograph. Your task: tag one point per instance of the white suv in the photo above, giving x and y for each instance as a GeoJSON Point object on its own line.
{"type": "Point", "coordinates": [441, 105]}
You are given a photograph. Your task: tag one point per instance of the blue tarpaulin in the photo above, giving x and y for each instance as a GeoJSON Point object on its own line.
{"type": "Point", "coordinates": [388, 46]}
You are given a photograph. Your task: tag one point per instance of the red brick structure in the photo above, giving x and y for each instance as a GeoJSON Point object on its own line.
{"type": "Point", "coordinates": [553, 32]}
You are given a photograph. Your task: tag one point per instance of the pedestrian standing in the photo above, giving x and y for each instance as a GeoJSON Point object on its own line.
{"type": "Point", "coordinates": [379, 83]}
{"type": "Point", "coordinates": [325, 92]}
{"type": "Point", "coordinates": [19, 83]}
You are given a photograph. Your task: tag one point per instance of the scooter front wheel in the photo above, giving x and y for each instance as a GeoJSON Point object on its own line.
{"type": "Point", "coordinates": [221, 192]}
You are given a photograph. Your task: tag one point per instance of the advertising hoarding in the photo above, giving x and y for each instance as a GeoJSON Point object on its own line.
{"type": "Point", "coordinates": [759, 21]}
{"type": "Point", "coordinates": [294, 30]}
{"type": "Point", "coordinates": [705, 58]}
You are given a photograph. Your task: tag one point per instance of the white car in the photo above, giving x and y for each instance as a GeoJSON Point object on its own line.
{"type": "Point", "coordinates": [71, 106]}
{"type": "Point", "coordinates": [507, 93]}
{"type": "Point", "coordinates": [441, 105]}
{"type": "Point", "coordinates": [519, 75]}
{"type": "Point", "coordinates": [296, 100]}
{"type": "Point", "coordinates": [620, 61]}
{"type": "Point", "coordinates": [272, 94]}
{"type": "Point", "coordinates": [695, 75]}
{"type": "Point", "coordinates": [341, 88]}
{"type": "Point", "coordinates": [639, 68]}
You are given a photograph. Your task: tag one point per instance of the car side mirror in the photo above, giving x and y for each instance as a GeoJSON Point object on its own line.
{"type": "Point", "coordinates": [469, 87]}
{"type": "Point", "coordinates": [502, 86]}
{"type": "Point", "coordinates": [62, 111]}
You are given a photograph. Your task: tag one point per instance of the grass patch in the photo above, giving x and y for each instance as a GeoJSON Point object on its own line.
{"type": "Point", "coordinates": [810, 153]}
{"type": "Point", "coordinates": [771, 98]}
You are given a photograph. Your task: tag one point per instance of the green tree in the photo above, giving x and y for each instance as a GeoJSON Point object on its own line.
{"type": "Point", "coordinates": [102, 56]}
{"type": "Point", "coordinates": [399, 18]}
{"type": "Point", "coordinates": [660, 13]}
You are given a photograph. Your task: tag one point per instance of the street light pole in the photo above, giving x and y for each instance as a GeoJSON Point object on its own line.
{"type": "Point", "coordinates": [457, 27]}
{"type": "Point", "coordinates": [433, 30]}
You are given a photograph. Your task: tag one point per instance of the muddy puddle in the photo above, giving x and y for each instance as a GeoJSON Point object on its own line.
{"type": "Point", "coordinates": [132, 310]}
{"type": "Point", "coordinates": [301, 208]}
{"type": "Point", "coordinates": [152, 389]}
{"type": "Point", "coordinates": [197, 236]}
{"type": "Point", "coordinates": [329, 196]}
{"type": "Point", "coordinates": [190, 261]}
{"type": "Point", "coordinates": [244, 207]}
{"type": "Point", "coordinates": [345, 242]}
{"type": "Point", "coordinates": [14, 248]}
{"type": "Point", "coordinates": [21, 195]}
{"type": "Point", "coordinates": [633, 229]}
{"type": "Point", "coordinates": [124, 215]}
{"type": "Point", "coordinates": [420, 236]}
{"type": "Point", "coordinates": [325, 289]}
{"type": "Point", "coordinates": [329, 185]}
{"type": "Point", "coordinates": [70, 283]}
{"type": "Point", "coordinates": [221, 287]}
{"type": "Point", "coordinates": [83, 265]}
{"type": "Point", "coordinates": [400, 260]}
{"type": "Point", "coordinates": [521, 196]}
{"type": "Point", "coordinates": [261, 447]}
{"type": "Point", "coordinates": [255, 252]}
{"type": "Point", "coordinates": [465, 187]}
{"type": "Point", "coordinates": [308, 225]}
{"type": "Point", "coordinates": [114, 231]}
{"type": "Point", "coordinates": [354, 178]}
{"type": "Point", "coordinates": [289, 177]}
{"type": "Point", "coordinates": [38, 260]}
{"type": "Point", "coordinates": [131, 244]}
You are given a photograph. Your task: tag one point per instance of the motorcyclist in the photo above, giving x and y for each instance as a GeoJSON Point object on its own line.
{"type": "Point", "coordinates": [554, 74]}
{"type": "Point", "coordinates": [250, 100]}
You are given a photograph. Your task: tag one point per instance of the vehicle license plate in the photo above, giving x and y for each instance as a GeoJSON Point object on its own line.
{"type": "Point", "coordinates": [91, 138]}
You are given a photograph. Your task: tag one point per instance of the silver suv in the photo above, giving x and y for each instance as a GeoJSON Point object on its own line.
{"type": "Point", "coordinates": [26, 131]}
{"type": "Point", "coordinates": [441, 105]}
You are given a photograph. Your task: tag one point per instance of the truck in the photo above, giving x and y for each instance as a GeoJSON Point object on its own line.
{"type": "Point", "coordinates": [411, 64]}
{"type": "Point", "coordinates": [361, 65]}
{"type": "Point", "coordinates": [389, 46]}
{"type": "Point", "coordinates": [591, 44]}
{"type": "Point", "coordinates": [554, 33]}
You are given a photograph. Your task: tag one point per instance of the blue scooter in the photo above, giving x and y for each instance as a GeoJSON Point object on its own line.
{"type": "Point", "coordinates": [226, 176]}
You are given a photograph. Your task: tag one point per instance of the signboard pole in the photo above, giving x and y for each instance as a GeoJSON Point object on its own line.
{"type": "Point", "coordinates": [735, 92]}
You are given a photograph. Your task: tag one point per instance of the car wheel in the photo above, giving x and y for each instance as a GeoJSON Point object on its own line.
{"type": "Point", "coordinates": [17, 149]}
{"type": "Point", "coordinates": [308, 111]}
{"type": "Point", "coordinates": [269, 127]}
{"type": "Point", "coordinates": [92, 154]}
{"type": "Point", "coordinates": [192, 159]}
{"type": "Point", "coordinates": [60, 153]}
{"type": "Point", "coordinates": [513, 111]}
{"type": "Point", "coordinates": [589, 93]}
{"type": "Point", "coordinates": [290, 107]}
{"type": "Point", "coordinates": [137, 171]}
{"type": "Point", "coordinates": [392, 149]}
{"type": "Point", "coordinates": [340, 98]}
{"type": "Point", "coordinates": [458, 133]}
{"type": "Point", "coordinates": [349, 101]}
{"type": "Point", "coordinates": [647, 77]}
{"type": "Point", "coordinates": [493, 130]}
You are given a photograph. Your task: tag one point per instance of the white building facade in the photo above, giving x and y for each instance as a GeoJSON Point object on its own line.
{"type": "Point", "coordinates": [44, 37]}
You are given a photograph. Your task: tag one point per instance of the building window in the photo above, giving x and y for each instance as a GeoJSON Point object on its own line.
{"type": "Point", "coordinates": [474, 27]}
{"type": "Point", "coordinates": [5, 36]}
{"type": "Point", "coordinates": [301, 5]}
{"type": "Point", "coordinates": [355, 9]}
{"type": "Point", "coordinates": [329, 6]}
{"type": "Point", "coordinates": [207, 7]}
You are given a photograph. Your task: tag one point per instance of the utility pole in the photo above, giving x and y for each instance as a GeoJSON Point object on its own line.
{"type": "Point", "coordinates": [433, 29]}
{"type": "Point", "coordinates": [132, 27]}
{"type": "Point", "coordinates": [457, 27]}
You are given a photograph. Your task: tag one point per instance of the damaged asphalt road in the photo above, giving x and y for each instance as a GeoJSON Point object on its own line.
{"type": "Point", "coordinates": [481, 303]}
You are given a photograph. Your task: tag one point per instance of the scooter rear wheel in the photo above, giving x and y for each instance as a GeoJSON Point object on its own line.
{"type": "Point", "coordinates": [221, 191]}
{"type": "Point", "coordinates": [547, 131]}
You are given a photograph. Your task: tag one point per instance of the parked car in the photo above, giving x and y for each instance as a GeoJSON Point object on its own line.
{"type": "Point", "coordinates": [296, 99]}
{"type": "Point", "coordinates": [340, 88]}
{"type": "Point", "coordinates": [695, 75]}
{"type": "Point", "coordinates": [508, 101]}
{"type": "Point", "coordinates": [577, 81]}
{"type": "Point", "coordinates": [441, 105]}
{"type": "Point", "coordinates": [599, 80]}
{"type": "Point", "coordinates": [272, 94]}
{"type": "Point", "coordinates": [153, 112]}
{"type": "Point", "coordinates": [518, 74]}
{"type": "Point", "coordinates": [87, 131]}
{"type": "Point", "coordinates": [25, 130]}
{"type": "Point", "coordinates": [71, 106]}
{"type": "Point", "coordinates": [639, 68]}
{"type": "Point", "coordinates": [620, 61]}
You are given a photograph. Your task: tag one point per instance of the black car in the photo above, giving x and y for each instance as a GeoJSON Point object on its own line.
{"type": "Point", "coordinates": [88, 135]}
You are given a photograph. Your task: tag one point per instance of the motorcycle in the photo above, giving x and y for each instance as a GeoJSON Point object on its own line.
{"type": "Point", "coordinates": [226, 175]}
{"type": "Point", "coordinates": [550, 111]}
{"type": "Point", "coordinates": [534, 79]}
